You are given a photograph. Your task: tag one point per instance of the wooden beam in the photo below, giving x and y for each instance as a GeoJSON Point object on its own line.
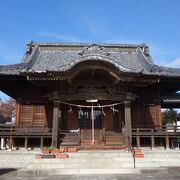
{"type": "Point", "coordinates": [55, 133]}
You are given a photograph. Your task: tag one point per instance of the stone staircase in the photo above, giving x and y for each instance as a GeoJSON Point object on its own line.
{"type": "Point", "coordinates": [88, 162]}
{"type": "Point", "coordinates": [102, 162]}
{"type": "Point", "coordinates": [84, 162]}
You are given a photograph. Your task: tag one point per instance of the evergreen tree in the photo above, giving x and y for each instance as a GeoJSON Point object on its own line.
{"type": "Point", "coordinates": [169, 116]}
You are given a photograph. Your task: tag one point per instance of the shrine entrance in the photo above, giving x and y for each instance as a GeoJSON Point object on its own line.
{"type": "Point", "coordinates": [84, 119]}
{"type": "Point", "coordinates": [90, 126]}
{"type": "Point", "coordinates": [93, 124]}
{"type": "Point", "coordinates": [94, 103]}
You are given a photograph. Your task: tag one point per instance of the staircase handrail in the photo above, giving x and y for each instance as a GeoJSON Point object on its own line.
{"type": "Point", "coordinates": [129, 144]}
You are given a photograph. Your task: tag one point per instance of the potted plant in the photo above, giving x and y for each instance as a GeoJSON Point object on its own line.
{"type": "Point", "coordinates": [55, 150]}
{"type": "Point", "coordinates": [45, 150]}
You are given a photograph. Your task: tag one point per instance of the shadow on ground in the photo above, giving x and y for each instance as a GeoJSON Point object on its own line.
{"type": "Point", "coordinates": [6, 171]}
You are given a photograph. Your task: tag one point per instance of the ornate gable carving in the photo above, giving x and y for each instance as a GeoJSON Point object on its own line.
{"type": "Point", "coordinates": [94, 49]}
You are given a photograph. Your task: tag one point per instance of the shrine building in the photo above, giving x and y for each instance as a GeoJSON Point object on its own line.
{"type": "Point", "coordinates": [88, 95]}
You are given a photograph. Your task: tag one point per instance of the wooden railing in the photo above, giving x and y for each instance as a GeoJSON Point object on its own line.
{"type": "Point", "coordinates": [11, 133]}
{"type": "Point", "coordinates": [165, 132]}
{"type": "Point", "coordinates": [157, 131]}
{"type": "Point", "coordinates": [25, 131]}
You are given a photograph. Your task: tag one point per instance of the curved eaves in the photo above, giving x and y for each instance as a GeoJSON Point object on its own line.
{"type": "Point", "coordinates": [94, 58]}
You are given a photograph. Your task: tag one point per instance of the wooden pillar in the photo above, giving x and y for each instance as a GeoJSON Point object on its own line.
{"type": "Point", "coordinates": [152, 139]}
{"type": "Point", "coordinates": [138, 144]}
{"type": "Point", "coordinates": [167, 141]}
{"type": "Point", "coordinates": [17, 113]}
{"type": "Point", "coordinates": [55, 133]}
{"type": "Point", "coordinates": [41, 142]}
{"type": "Point", "coordinates": [104, 137]}
{"type": "Point", "coordinates": [42, 138]}
{"type": "Point", "coordinates": [26, 142]}
{"type": "Point", "coordinates": [11, 139]}
{"type": "Point", "coordinates": [79, 136]}
{"type": "Point", "coordinates": [128, 119]}
{"type": "Point", "coordinates": [26, 139]}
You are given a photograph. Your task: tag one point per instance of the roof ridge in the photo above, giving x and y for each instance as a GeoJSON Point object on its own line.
{"type": "Point", "coordinates": [123, 45]}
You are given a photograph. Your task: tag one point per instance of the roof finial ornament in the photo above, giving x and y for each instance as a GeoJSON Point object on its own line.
{"type": "Point", "coordinates": [29, 47]}
{"type": "Point", "coordinates": [94, 49]}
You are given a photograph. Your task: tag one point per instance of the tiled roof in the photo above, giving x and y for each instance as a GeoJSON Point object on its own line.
{"type": "Point", "coordinates": [12, 69]}
{"type": "Point", "coordinates": [61, 57]}
{"type": "Point", "coordinates": [171, 97]}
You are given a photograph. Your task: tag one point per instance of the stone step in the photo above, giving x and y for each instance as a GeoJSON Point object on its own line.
{"type": "Point", "coordinates": [65, 171]}
{"type": "Point", "coordinates": [163, 156]}
{"type": "Point", "coordinates": [88, 160]}
{"type": "Point", "coordinates": [104, 154]}
{"type": "Point", "coordinates": [83, 160]}
{"type": "Point", "coordinates": [89, 165]}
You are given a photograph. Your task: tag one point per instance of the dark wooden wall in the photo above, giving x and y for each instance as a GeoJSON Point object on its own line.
{"type": "Point", "coordinates": [34, 115]}
{"type": "Point", "coordinates": [146, 111]}
{"type": "Point", "coordinates": [146, 115]}
{"type": "Point", "coordinates": [35, 110]}
{"type": "Point", "coordinates": [41, 115]}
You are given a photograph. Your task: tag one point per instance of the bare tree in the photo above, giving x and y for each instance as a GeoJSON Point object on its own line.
{"type": "Point", "coordinates": [7, 110]}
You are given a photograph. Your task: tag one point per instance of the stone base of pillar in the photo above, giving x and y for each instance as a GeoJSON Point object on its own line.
{"type": "Point", "coordinates": [3, 144]}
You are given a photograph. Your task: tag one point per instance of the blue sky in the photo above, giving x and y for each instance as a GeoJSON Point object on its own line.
{"type": "Point", "coordinates": [155, 22]}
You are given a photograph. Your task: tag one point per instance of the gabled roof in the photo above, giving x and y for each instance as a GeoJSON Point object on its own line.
{"type": "Point", "coordinates": [61, 57]}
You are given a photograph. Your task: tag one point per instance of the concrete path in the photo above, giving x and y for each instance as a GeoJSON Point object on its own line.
{"type": "Point", "coordinates": [169, 173]}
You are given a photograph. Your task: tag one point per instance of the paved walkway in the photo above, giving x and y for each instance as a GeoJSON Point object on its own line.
{"type": "Point", "coordinates": [170, 173]}
{"type": "Point", "coordinates": [8, 167]}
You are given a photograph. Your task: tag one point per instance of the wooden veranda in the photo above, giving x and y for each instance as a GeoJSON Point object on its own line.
{"type": "Point", "coordinates": [165, 136]}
